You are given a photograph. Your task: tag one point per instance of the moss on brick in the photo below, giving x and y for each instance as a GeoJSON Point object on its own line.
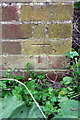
{"type": "Point", "coordinates": [26, 30]}
{"type": "Point", "coordinates": [60, 31]}
{"type": "Point", "coordinates": [46, 12]}
{"type": "Point", "coordinates": [34, 13]}
{"type": "Point", "coordinates": [60, 12]}
{"type": "Point", "coordinates": [47, 47]}
{"type": "Point", "coordinates": [39, 31]}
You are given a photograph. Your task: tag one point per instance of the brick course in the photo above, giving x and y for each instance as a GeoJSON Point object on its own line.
{"type": "Point", "coordinates": [47, 62]}
{"type": "Point", "coordinates": [36, 0]}
{"type": "Point", "coordinates": [47, 47]}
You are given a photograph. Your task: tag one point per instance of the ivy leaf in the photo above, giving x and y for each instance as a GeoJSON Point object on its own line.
{"type": "Point", "coordinates": [62, 93]}
{"type": "Point", "coordinates": [50, 89]}
{"type": "Point", "coordinates": [72, 54]}
{"type": "Point", "coordinates": [67, 80]}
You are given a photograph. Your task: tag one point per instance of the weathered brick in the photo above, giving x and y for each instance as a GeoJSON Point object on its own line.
{"type": "Point", "coordinates": [46, 12]}
{"type": "Point", "coordinates": [10, 13]}
{"type": "Point", "coordinates": [0, 12]}
{"type": "Point", "coordinates": [34, 13]}
{"type": "Point", "coordinates": [60, 12]}
{"type": "Point", "coordinates": [0, 47]}
{"type": "Point", "coordinates": [57, 62]}
{"type": "Point", "coordinates": [60, 31]}
{"type": "Point", "coordinates": [47, 47]}
{"type": "Point", "coordinates": [11, 48]}
{"type": "Point", "coordinates": [47, 62]}
{"type": "Point", "coordinates": [0, 31]}
{"type": "Point", "coordinates": [19, 62]}
{"type": "Point", "coordinates": [15, 31]}
{"type": "Point", "coordinates": [39, 31]}
{"type": "Point", "coordinates": [37, 0]}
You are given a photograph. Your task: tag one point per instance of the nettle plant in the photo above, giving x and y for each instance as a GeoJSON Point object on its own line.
{"type": "Point", "coordinates": [52, 101]}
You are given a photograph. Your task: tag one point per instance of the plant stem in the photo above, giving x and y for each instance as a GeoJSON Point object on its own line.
{"type": "Point", "coordinates": [74, 96]}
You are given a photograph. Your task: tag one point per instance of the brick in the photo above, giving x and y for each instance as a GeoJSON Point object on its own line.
{"type": "Point", "coordinates": [10, 13]}
{"type": "Point", "coordinates": [11, 48]}
{"type": "Point", "coordinates": [60, 12]}
{"type": "Point", "coordinates": [15, 31]}
{"type": "Point", "coordinates": [46, 47]}
{"type": "Point", "coordinates": [37, 0]}
{"type": "Point", "coordinates": [0, 47]}
{"type": "Point", "coordinates": [0, 12]}
{"type": "Point", "coordinates": [0, 31]}
{"type": "Point", "coordinates": [60, 31]}
{"type": "Point", "coordinates": [57, 62]}
{"type": "Point", "coordinates": [48, 62]}
{"type": "Point", "coordinates": [34, 13]}
{"type": "Point", "coordinates": [39, 31]}
{"type": "Point", "coordinates": [46, 12]}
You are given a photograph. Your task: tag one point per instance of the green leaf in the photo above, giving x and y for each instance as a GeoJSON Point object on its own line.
{"type": "Point", "coordinates": [62, 98]}
{"type": "Point", "coordinates": [27, 66]}
{"type": "Point", "coordinates": [77, 4]}
{"type": "Point", "coordinates": [62, 93]}
{"type": "Point", "coordinates": [12, 69]}
{"type": "Point", "coordinates": [20, 77]}
{"type": "Point", "coordinates": [72, 54]}
{"type": "Point", "coordinates": [69, 109]}
{"type": "Point", "coordinates": [78, 67]}
{"type": "Point", "coordinates": [13, 108]}
{"type": "Point", "coordinates": [50, 89]}
{"type": "Point", "coordinates": [69, 88]}
{"type": "Point", "coordinates": [67, 80]}
{"type": "Point", "coordinates": [7, 74]}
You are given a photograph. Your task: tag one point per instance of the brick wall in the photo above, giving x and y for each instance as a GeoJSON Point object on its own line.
{"type": "Point", "coordinates": [35, 31]}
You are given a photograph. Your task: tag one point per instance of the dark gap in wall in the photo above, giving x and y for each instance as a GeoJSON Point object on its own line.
{"type": "Point", "coordinates": [76, 29]}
